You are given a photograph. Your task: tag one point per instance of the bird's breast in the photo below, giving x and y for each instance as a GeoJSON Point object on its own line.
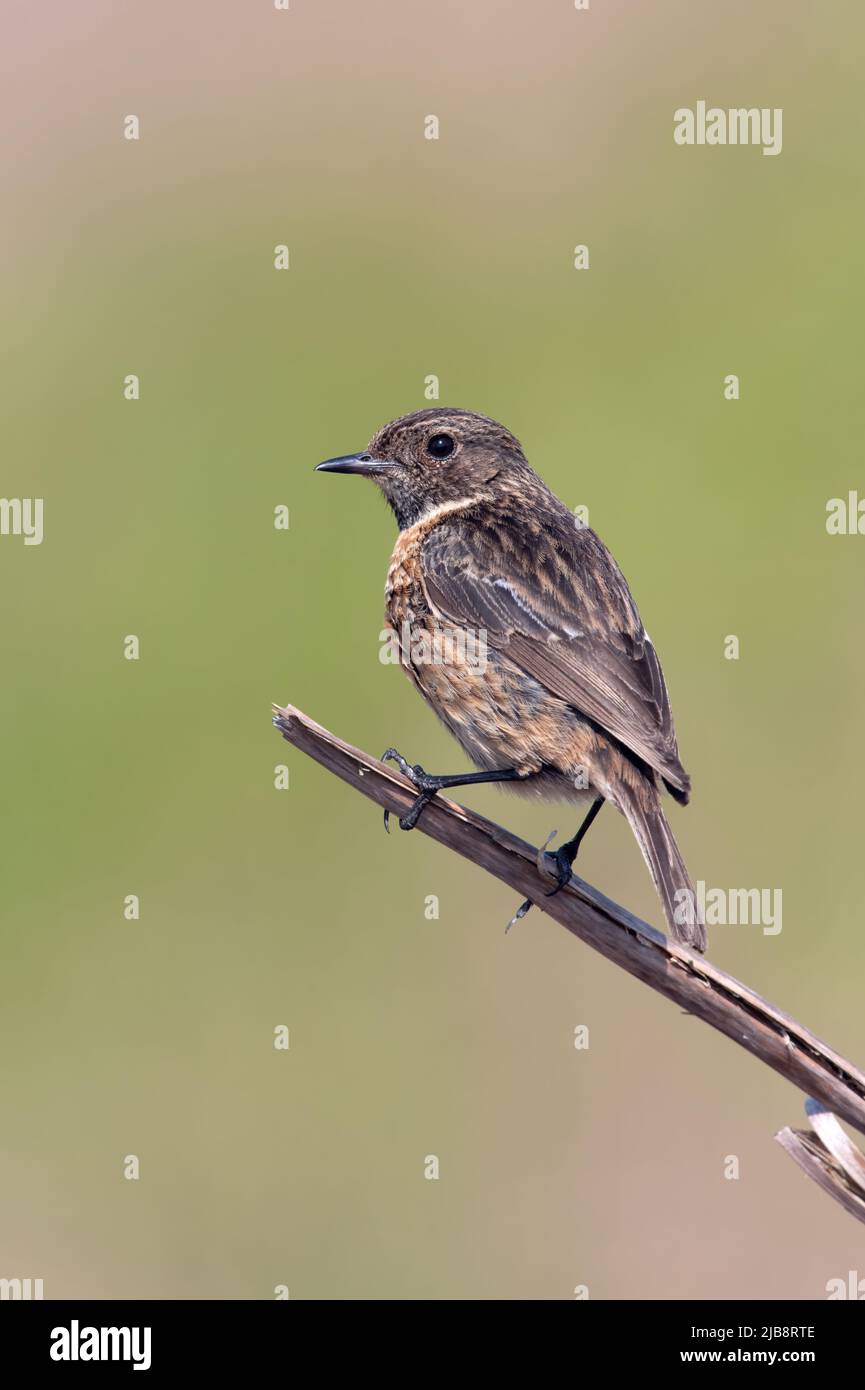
{"type": "Point", "coordinates": [480, 696]}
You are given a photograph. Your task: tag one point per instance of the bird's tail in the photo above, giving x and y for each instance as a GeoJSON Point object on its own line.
{"type": "Point", "coordinates": [667, 868]}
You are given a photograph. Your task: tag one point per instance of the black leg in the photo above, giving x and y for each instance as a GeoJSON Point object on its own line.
{"type": "Point", "coordinates": [564, 858]}
{"type": "Point", "coordinates": [428, 784]}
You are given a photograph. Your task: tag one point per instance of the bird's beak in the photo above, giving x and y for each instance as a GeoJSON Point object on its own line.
{"type": "Point", "coordinates": [355, 463]}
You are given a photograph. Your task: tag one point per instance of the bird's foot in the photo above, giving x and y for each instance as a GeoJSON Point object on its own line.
{"type": "Point", "coordinates": [543, 868]}
{"type": "Point", "coordinates": [563, 861]}
{"type": "Point", "coordinates": [425, 783]}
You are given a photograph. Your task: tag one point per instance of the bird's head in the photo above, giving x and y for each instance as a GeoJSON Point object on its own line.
{"type": "Point", "coordinates": [437, 457]}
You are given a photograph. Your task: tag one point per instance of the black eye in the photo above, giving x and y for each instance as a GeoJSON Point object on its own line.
{"type": "Point", "coordinates": [440, 446]}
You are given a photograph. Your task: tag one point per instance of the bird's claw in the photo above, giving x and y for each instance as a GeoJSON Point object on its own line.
{"type": "Point", "coordinates": [390, 755]}
{"type": "Point", "coordinates": [541, 856]}
{"type": "Point", "coordinates": [425, 784]}
{"type": "Point", "coordinates": [543, 868]}
{"type": "Point", "coordinates": [424, 781]}
{"type": "Point", "coordinates": [412, 815]}
{"type": "Point", "coordinates": [547, 857]}
{"type": "Point", "coordinates": [563, 872]}
{"type": "Point", "coordinates": [519, 914]}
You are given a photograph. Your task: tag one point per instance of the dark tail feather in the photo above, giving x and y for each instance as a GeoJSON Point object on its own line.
{"type": "Point", "coordinates": [668, 871]}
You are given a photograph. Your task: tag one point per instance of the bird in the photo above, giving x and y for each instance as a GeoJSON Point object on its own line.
{"type": "Point", "coordinates": [513, 620]}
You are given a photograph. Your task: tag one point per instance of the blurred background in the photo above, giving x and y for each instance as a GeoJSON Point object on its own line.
{"type": "Point", "coordinates": [260, 907]}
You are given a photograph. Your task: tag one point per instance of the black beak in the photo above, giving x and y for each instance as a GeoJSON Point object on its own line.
{"type": "Point", "coordinates": [354, 463]}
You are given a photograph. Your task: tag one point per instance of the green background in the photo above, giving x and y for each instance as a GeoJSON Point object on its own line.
{"type": "Point", "coordinates": [261, 907]}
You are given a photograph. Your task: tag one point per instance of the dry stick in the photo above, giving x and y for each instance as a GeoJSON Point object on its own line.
{"type": "Point", "coordinates": [671, 969]}
{"type": "Point", "coordinates": [829, 1157]}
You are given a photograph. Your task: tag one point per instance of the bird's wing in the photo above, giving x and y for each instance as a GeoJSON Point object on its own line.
{"type": "Point", "coordinates": [550, 594]}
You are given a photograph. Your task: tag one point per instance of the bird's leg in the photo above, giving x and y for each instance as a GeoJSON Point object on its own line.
{"type": "Point", "coordinates": [566, 855]}
{"type": "Point", "coordinates": [428, 784]}
{"type": "Point", "coordinates": [564, 859]}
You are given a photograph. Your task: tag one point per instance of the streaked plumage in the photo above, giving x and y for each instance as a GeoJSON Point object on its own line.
{"type": "Point", "coordinates": [572, 694]}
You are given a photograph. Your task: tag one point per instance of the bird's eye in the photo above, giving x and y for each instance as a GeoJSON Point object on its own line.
{"type": "Point", "coordinates": [441, 446]}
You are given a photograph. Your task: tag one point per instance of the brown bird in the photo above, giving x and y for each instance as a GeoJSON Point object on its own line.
{"type": "Point", "coordinates": [516, 624]}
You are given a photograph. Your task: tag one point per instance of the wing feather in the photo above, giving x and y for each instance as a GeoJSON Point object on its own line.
{"type": "Point", "coordinates": [550, 594]}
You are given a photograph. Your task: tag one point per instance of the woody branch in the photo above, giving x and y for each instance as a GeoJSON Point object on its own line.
{"type": "Point", "coordinates": [665, 966]}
